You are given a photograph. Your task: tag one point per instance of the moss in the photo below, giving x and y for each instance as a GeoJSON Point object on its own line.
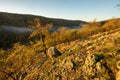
{"type": "Point", "coordinates": [107, 77]}
{"type": "Point", "coordinates": [111, 49]}
{"type": "Point", "coordinates": [91, 76]}
{"type": "Point", "coordinates": [111, 61]}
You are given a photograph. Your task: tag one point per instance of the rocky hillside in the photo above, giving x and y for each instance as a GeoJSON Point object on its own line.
{"type": "Point", "coordinates": [96, 57]}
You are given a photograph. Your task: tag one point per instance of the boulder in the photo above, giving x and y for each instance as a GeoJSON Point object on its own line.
{"type": "Point", "coordinates": [92, 65]}
{"type": "Point", "coordinates": [53, 52]}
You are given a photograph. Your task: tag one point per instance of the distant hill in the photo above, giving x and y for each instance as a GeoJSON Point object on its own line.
{"type": "Point", "coordinates": [22, 20]}
{"type": "Point", "coordinates": [14, 27]}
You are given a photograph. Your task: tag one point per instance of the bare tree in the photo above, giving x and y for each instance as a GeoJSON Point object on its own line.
{"type": "Point", "coordinates": [40, 32]}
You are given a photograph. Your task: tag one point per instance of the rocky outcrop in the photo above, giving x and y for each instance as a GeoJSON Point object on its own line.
{"type": "Point", "coordinates": [93, 65]}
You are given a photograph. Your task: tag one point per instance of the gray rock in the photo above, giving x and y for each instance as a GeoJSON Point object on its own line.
{"type": "Point", "coordinates": [89, 64]}
{"type": "Point", "coordinates": [92, 66]}
{"type": "Point", "coordinates": [93, 58]}
{"type": "Point", "coordinates": [53, 52]}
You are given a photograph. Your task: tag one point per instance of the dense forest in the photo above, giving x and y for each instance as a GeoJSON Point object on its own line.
{"type": "Point", "coordinates": [23, 20]}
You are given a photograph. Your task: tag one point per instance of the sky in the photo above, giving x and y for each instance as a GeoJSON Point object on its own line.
{"type": "Point", "coordinates": [86, 10]}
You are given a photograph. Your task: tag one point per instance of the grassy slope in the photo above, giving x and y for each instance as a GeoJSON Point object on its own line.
{"type": "Point", "coordinates": [30, 63]}
{"type": "Point", "coordinates": [69, 65]}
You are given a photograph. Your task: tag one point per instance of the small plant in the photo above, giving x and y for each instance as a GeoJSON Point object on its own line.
{"type": "Point", "coordinates": [117, 40]}
{"type": "Point", "coordinates": [91, 76]}
{"type": "Point", "coordinates": [111, 61]}
{"type": "Point", "coordinates": [107, 77]}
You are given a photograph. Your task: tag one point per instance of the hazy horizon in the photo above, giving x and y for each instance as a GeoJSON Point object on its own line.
{"type": "Point", "coordinates": [85, 10]}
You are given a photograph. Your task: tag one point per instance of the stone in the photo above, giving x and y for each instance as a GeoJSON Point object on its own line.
{"type": "Point", "coordinates": [90, 59]}
{"type": "Point", "coordinates": [67, 63]}
{"type": "Point", "coordinates": [98, 66]}
{"type": "Point", "coordinates": [53, 52]}
{"type": "Point", "coordinates": [88, 67]}
{"type": "Point", "coordinates": [93, 58]}
{"type": "Point", "coordinates": [92, 64]}
{"type": "Point", "coordinates": [118, 65]}
{"type": "Point", "coordinates": [118, 75]}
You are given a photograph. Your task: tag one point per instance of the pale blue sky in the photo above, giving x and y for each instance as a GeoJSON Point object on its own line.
{"type": "Point", "coordinates": [86, 10]}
